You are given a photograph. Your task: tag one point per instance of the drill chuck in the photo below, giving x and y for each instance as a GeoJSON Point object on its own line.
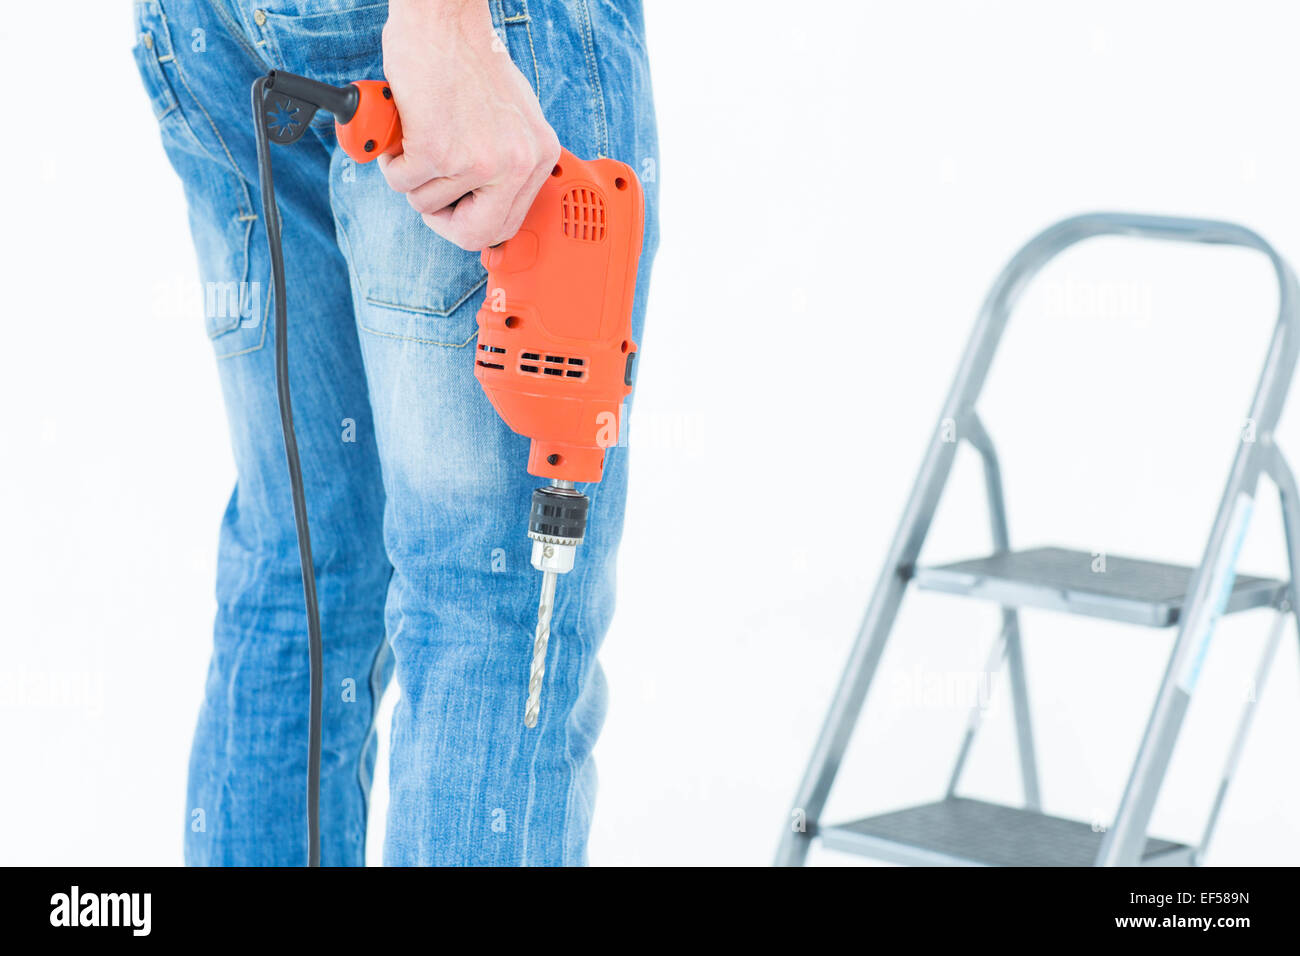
{"type": "Point", "coordinates": [556, 523]}
{"type": "Point", "coordinates": [558, 515]}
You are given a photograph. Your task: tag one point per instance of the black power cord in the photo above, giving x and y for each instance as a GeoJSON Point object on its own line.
{"type": "Point", "coordinates": [271, 219]}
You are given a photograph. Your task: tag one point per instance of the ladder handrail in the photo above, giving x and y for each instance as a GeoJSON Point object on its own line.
{"type": "Point", "coordinates": [1055, 239]}
{"type": "Point", "coordinates": [1124, 841]}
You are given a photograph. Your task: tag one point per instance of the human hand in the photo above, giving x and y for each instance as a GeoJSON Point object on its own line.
{"type": "Point", "coordinates": [475, 145]}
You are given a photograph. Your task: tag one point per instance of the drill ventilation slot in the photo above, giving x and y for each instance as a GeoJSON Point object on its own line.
{"type": "Point", "coordinates": [557, 366]}
{"type": "Point", "coordinates": [491, 350]}
{"type": "Point", "coordinates": [582, 212]}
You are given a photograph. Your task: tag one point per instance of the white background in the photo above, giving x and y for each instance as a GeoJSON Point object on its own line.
{"type": "Point", "coordinates": [841, 182]}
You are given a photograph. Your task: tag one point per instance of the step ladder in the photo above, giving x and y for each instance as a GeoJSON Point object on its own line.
{"type": "Point", "coordinates": [960, 831]}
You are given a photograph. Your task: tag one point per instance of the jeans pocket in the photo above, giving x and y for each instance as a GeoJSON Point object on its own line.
{"type": "Point", "coordinates": [334, 46]}
{"type": "Point", "coordinates": [155, 84]}
{"type": "Point", "coordinates": [221, 214]}
{"type": "Point", "coordinates": [152, 49]}
{"type": "Point", "coordinates": [409, 282]}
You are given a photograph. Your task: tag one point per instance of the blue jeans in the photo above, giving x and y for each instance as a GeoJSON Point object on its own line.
{"type": "Point", "coordinates": [417, 493]}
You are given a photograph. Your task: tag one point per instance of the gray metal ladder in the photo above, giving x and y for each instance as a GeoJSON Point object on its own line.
{"type": "Point", "coordinates": [961, 831]}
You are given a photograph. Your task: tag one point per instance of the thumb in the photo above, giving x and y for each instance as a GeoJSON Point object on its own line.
{"type": "Point", "coordinates": [400, 173]}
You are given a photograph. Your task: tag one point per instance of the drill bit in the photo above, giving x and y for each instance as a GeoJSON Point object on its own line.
{"type": "Point", "coordinates": [543, 635]}
{"type": "Point", "coordinates": [556, 524]}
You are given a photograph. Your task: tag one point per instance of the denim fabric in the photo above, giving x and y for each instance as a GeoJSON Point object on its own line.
{"type": "Point", "coordinates": [417, 493]}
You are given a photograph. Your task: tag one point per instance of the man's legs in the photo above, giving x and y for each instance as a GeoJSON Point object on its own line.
{"type": "Point", "coordinates": [469, 783]}
{"type": "Point", "coordinates": [246, 800]}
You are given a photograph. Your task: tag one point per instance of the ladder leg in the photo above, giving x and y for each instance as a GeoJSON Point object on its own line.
{"type": "Point", "coordinates": [843, 715]}
{"type": "Point", "coordinates": [1007, 645]}
{"type": "Point", "coordinates": [993, 665]}
{"type": "Point", "coordinates": [978, 436]}
{"type": "Point", "coordinates": [869, 645]}
{"type": "Point", "coordinates": [841, 718]}
{"type": "Point", "coordinates": [1125, 841]}
{"type": "Point", "coordinates": [1207, 595]}
{"type": "Point", "coordinates": [1289, 496]}
{"type": "Point", "coordinates": [1243, 727]}
{"type": "Point", "coordinates": [1020, 704]}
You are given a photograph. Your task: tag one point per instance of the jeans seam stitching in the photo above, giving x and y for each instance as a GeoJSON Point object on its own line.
{"type": "Point", "coordinates": [261, 340]}
{"type": "Point", "coordinates": [246, 207]}
{"type": "Point", "coordinates": [526, 19]}
{"type": "Point", "coordinates": [593, 71]}
{"type": "Point", "coordinates": [275, 55]}
{"type": "Point", "coordinates": [374, 300]}
{"type": "Point", "coordinates": [499, 16]}
{"type": "Point", "coordinates": [167, 90]}
{"type": "Point", "coordinates": [412, 338]}
{"type": "Point", "coordinates": [248, 220]}
{"type": "Point", "coordinates": [237, 34]}
{"type": "Point", "coordinates": [346, 248]}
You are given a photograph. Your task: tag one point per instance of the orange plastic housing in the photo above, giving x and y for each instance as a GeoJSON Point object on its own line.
{"type": "Point", "coordinates": [375, 123]}
{"type": "Point", "coordinates": [555, 342]}
{"type": "Point", "coordinates": [555, 331]}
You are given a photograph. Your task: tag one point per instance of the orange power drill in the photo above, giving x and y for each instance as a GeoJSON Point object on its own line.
{"type": "Point", "coordinates": [555, 347]}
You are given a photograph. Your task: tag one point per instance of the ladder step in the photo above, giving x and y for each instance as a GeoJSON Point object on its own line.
{"type": "Point", "coordinates": [1059, 579]}
{"type": "Point", "coordinates": [958, 831]}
